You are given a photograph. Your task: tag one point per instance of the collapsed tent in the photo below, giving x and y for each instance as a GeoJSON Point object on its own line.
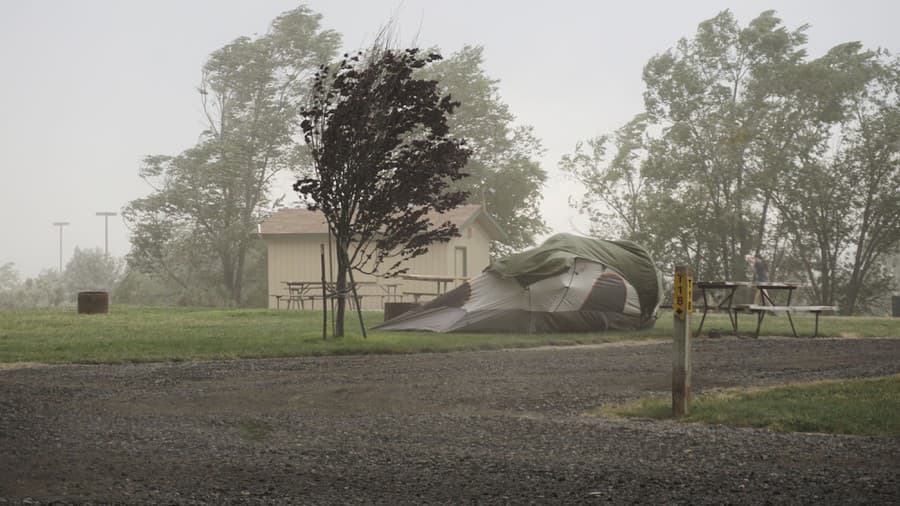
{"type": "Point", "coordinates": [568, 284]}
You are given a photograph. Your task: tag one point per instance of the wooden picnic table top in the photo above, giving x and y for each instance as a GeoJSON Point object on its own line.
{"type": "Point", "coordinates": [433, 277]}
{"type": "Point", "coordinates": [778, 284]}
{"type": "Point", "coordinates": [328, 282]}
{"type": "Point", "coordinates": [757, 284]}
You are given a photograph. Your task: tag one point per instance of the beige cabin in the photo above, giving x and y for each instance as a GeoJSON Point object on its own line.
{"type": "Point", "coordinates": [295, 237]}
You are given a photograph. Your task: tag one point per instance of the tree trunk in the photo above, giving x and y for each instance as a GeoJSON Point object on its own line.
{"type": "Point", "coordinates": [239, 275]}
{"type": "Point", "coordinates": [341, 287]}
{"type": "Point", "coordinates": [228, 276]}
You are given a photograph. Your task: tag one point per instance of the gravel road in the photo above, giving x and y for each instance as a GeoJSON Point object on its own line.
{"type": "Point", "coordinates": [503, 427]}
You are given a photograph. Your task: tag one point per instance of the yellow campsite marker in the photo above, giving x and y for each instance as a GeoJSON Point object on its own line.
{"type": "Point", "coordinates": [680, 295]}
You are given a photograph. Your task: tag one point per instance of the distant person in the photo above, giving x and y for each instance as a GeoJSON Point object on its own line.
{"type": "Point", "coordinates": [760, 275]}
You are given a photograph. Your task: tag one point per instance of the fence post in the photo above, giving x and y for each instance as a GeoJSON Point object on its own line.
{"type": "Point", "coordinates": [681, 337]}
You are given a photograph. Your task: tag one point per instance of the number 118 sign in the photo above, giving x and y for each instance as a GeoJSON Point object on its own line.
{"type": "Point", "coordinates": [684, 295]}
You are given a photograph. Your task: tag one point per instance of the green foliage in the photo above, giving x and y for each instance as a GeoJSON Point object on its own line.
{"type": "Point", "coordinates": [9, 276]}
{"type": "Point", "coordinates": [746, 146]}
{"type": "Point", "coordinates": [195, 232]}
{"type": "Point", "coordinates": [504, 168]}
{"type": "Point", "coordinates": [841, 195]}
{"type": "Point", "coordinates": [88, 269]}
{"type": "Point", "coordinates": [92, 269]}
{"type": "Point", "coordinates": [47, 289]}
{"type": "Point", "coordinates": [615, 202]}
{"type": "Point", "coordinates": [861, 407]}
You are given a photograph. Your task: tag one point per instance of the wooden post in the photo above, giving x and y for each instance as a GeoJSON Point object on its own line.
{"type": "Point", "coordinates": [324, 296]}
{"type": "Point", "coordinates": [681, 337]}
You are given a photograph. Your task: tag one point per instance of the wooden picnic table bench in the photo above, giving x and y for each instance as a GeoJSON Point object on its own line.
{"type": "Point", "coordinates": [726, 302]}
{"type": "Point", "coordinates": [311, 291]}
{"type": "Point", "coordinates": [762, 309]}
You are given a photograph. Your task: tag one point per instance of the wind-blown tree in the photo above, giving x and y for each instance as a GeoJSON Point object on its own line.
{"type": "Point", "coordinates": [711, 98]}
{"type": "Point", "coordinates": [746, 146]}
{"type": "Point", "coordinates": [504, 168]}
{"type": "Point", "coordinates": [383, 159]}
{"type": "Point", "coordinates": [614, 204]}
{"type": "Point", "coordinates": [208, 200]}
{"type": "Point", "coordinates": [840, 193]}
{"type": "Point", "coordinates": [695, 157]}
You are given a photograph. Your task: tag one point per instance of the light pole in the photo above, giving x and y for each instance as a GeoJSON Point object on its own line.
{"type": "Point", "coordinates": [106, 215]}
{"type": "Point", "coordinates": [60, 224]}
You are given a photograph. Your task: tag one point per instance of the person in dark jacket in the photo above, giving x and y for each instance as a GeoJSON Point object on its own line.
{"type": "Point", "coordinates": [760, 274]}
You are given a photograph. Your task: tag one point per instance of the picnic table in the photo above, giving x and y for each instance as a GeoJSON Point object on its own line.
{"type": "Point", "coordinates": [300, 292]}
{"type": "Point", "coordinates": [725, 301]}
{"type": "Point", "coordinates": [441, 282]}
{"type": "Point", "coordinates": [388, 292]}
{"type": "Point", "coordinates": [768, 302]}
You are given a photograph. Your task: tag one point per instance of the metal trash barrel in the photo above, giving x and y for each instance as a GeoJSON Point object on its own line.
{"type": "Point", "coordinates": [95, 302]}
{"type": "Point", "coordinates": [895, 306]}
{"type": "Point", "coordinates": [395, 309]}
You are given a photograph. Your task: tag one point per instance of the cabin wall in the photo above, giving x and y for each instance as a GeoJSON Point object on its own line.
{"type": "Point", "coordinates": [297, 258]}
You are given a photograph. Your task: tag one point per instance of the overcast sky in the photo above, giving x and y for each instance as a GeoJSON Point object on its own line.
{"type": "Point", "coordinates": [90, 87]}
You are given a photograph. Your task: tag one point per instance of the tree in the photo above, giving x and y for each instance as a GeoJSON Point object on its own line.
{"type": "Point", "coordinates": [9, 276]}
{"type": "Point", "coordinates": [208, 200]}
{"type": "Point", "coordinates": [614, 204]}
{"type": "Point", "coordinates": [747, 146]}
{"type": "Point", "coordinates": [711, 99]}
{"type": "Point", "coordinates": [383, 158]}
{"type": "Point", "coordinates": [9, 284]}
{"type": "Point", "coordinates": [504, 170]}
{"type": "Point", "coordinates": [841, 193]}
{"type": "Point", "coordinates": [693, 154]}
{"type": "Point", "coordinates": [47, 289]}
{"type": "Point", "coordinates": [92, 269]}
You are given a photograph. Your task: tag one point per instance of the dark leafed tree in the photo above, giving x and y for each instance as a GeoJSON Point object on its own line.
{"type": "Point", "coordinates": [197, 230]}
{"type": "Point", "coordinates": [383, 159]}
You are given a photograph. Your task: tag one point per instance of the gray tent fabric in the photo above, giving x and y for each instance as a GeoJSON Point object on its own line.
{"type": "Point", "coordinates": [558, 253]}
{"type": "Point", "coordinates": [568, 284]}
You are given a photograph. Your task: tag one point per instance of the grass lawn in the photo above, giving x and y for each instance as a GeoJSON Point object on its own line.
{"type": "Point", "coordinates": [144, 334]}
{"type": "Point", "coordinates": [863, 407]}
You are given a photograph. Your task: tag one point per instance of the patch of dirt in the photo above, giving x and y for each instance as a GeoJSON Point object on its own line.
{"type": "Point", "coordinates": [479, 427]}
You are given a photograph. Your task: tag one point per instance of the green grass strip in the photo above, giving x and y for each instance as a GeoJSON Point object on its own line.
{"type": "Point", "coordinates": [157, 334]}
{"type": "Point", "coordinates": [861, 407]}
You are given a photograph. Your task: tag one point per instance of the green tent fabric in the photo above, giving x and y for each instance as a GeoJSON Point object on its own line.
{"type": "Point", "coordinates": [558, 253]}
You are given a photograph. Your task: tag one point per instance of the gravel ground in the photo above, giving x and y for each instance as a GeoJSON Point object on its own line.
{"type": "Point", "coordinates": [479, 427]}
